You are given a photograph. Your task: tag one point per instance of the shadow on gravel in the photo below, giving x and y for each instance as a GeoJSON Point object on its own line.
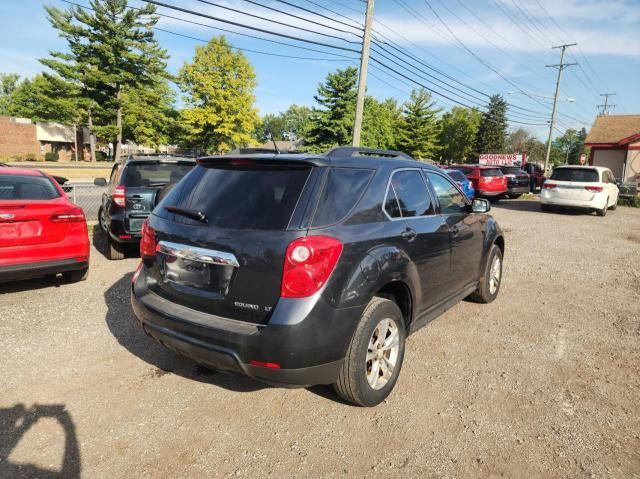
{"type": "Point", "coordinates": [33, 284]}
{"type": "Point", "coordinates": [127, 330]}
{"type": "Point", "coordinates": [16, 421]}
{"type": "Point", "coordinates": [530, 206]}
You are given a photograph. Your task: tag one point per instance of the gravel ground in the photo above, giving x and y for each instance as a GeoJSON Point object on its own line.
{"type": "Point", "coordinates": [541, 383]}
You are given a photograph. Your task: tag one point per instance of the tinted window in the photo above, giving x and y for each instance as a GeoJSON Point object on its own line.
{"type": "Point", "coordinates": [449, 197]}
{"type": "Point", "coordinates": [457, 175]}
{"type": "Point", "coordinates": [27, 187]}
{"type": "Point", "coordinates": [259, 197]}
{"type": "Point", "coordinates": [343, 189]}
{"type": "Point", "coordinates": [488, 172]}
{"type": "Point", "coordinates": [154, 173]}
{"type": "Point", "coordinates": [585, 175]}
{"type": "Point", "coordinates": [408, 195]}
{"type": "Point", "coordinates": [511, 170]}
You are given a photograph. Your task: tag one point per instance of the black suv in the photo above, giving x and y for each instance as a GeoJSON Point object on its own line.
{"type": "Point", "coordinates": [311, 269]}
{"type": "Point", "coordinates": [131, 195]}
{"type": "Point", "coordinates": [517, 181]}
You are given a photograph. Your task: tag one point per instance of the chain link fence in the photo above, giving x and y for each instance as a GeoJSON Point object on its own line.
{"type": "Point", "coordinates": [86, 196]}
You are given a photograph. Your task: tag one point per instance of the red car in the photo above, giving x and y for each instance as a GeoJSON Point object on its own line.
{"type": "Point", "coordinates": [41, 231]}
{"type": "Point", "coordinates": [488, 181]}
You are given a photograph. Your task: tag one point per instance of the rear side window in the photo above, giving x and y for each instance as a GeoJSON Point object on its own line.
{"type": "Point", "coordinates": [450, 199]}
{"type": "Point", "coordinates": [407, 195]}
{"type": "Point", "coordinates": [575, 174]}
{"type": "Point", "coordinates": [456, 175]}
{"type": "Point", "coordinates": [260, 197]}
{"type": "Point", "coordinates": [154, 173]}
{"type": "Point", "coordinates": [489, 172]}
{"type": "Point", "coordinates": [343, 189]}
{"type": "Point", "coordinates": [27, 187]}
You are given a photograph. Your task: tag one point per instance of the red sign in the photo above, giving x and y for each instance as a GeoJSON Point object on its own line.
{"type": "Point", "coordinates": [506, 159]}
{"type": "Point", "coordinates": [583, 159]}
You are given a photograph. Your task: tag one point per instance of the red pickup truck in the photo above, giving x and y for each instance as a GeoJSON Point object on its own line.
{"type": "Point", "coordinates": [536, 175]}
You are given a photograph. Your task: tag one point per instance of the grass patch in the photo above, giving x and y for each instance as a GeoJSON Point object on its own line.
{"type": "Point", "coordinates": [634, 202]}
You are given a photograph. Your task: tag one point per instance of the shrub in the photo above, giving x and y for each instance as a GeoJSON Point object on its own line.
{"type": "Point", "coordinates": [51, 156]}
{"type": "Point", "coordinates": [632, 201]}
{"type": "Point", "coordinates": [30, 157]}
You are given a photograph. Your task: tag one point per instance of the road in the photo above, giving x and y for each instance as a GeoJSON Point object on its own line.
{"type": "Point", "coordinates": [541, 383]}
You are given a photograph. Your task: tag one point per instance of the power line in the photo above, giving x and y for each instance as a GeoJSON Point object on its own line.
{"type": "Point", "coordinates": [359, 27]}
{"type": "Point", "coordinates": [338, 14]}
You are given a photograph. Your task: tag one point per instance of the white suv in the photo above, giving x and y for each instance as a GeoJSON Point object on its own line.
{"type": "Point", "coordinates": [586, 187]}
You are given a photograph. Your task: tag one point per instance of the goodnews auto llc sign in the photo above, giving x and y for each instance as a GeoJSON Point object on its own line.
{"type": "Point", "coordinates": [498, 159]}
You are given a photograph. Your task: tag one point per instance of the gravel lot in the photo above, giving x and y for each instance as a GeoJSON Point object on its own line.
{"type": "Point", "coordinates": [543, 382]}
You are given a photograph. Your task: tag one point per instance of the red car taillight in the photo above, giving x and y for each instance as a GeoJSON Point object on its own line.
{"type": "Point", "coordinates": [549, 186]}
{"type": "Point", "coordinates": [308, 263]}
{"type": "Point", "coordinates": [595, 189]}
{"type": "Point", "coordinates": [119, 196]}
{"type": "Point", "coordinates": [148, 243]}
{"type": "Point", "coordinates": [74, 215]}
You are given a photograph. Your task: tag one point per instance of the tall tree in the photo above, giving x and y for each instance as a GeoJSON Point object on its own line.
{"type": "Point", "coordinates": [111, 51]}
{"type": "Point", "coordinates": [8, 83]}
{"type": "Point", "coordinates": [219, 94]}
{"type": "Point", "coordinates": [571, 143]}
{"type": "Point", "coordinates": [44, 98]}
{"type": "Point", "coordinates": [459, 128]}
{"type": "Point", "coordinates": [420, 126]}
{"type": "Point", "coordinates": [332, 120]}
{"type": "Point", "coordinates": [492, 132]}
{"type": "Point", "coordinates": [381, 123]}
{"type": "Point", "coordinates": [517, 140]}
{"type": "Point", "coordinates": [148, 114]}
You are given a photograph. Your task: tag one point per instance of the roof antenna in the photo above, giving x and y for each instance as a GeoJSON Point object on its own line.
{"type": "Point", "coordinates": [275, 145]}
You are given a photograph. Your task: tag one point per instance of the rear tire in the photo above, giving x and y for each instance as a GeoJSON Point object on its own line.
{"type": "Point", "coordinates": [614, 206]}
{"type": "Point", "coordinates": [373, 361]}
{"type": "Point", "coordinates": [79, 275]}
{"type": "Point", "coordinates": [115, 250]}
{"type": "Point", "coordinates": [102, 221]}
{"type": "Point", "coordinates": [491, 279]}
{"type": "Point", "coordinates": [603, 211]}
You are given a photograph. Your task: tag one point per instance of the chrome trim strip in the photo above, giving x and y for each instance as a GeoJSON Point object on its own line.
{"type": "Point", "coordinates": [195, 253]}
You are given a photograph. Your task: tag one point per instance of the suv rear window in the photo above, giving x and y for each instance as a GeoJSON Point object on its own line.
{"type": "Point", "coordinates": [343, 189]}
{"type": "Point", "coordinates": [260, 197]}
{"type": "Point", "coordinates": [465, 171]}
{"type": "Point", "coordinates": [155, 173]}
{"type": "Point", "coordinates": [575, 174]}
{"type": "Point", "coordinates": [27, 187]}
{"type": "Point", "coordinates": [489, 172]}
{"type": "Point", "coordinates": [511, 170]}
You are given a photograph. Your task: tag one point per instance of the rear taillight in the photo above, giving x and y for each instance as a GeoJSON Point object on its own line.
{"type": "Point", "coordinates": [74, 215]}
{"type": "Point", "coordinates": [549, 186]}
{"type": "Point", "coordinates": [595, 189]}
{"type": "Point", "coordinates": [148, 243]}
{"type": "Point", "coordinates": [264, 364]}
{"type": "Point", "coordinates": [119, 196]}
{"type": "Point", "coordinates": [308, 264]}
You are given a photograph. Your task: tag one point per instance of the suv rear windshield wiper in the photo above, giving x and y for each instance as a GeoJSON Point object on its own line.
{"type": "Point", "coordinates": [193, 214]}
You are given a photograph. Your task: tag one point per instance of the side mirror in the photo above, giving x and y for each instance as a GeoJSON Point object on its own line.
{"type": "Point", "coordinates": [100, 182]}
{"type": "Point", "coordinates": [480, 205]}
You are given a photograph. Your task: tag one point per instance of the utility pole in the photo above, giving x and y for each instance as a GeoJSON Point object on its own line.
{"type": "Point", "coordinates": [362, 81]}
{"type": "Point", "coordinates": [561, 66]}
{"type": "Point", "coordinates": [606, 107]}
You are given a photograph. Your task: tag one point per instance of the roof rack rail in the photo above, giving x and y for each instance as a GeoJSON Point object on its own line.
{"type": "Point", "coordinates": [358, 151]}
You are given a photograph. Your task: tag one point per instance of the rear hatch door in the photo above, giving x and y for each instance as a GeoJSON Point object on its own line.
{"type": "Point", "coordinates": [230, 261]}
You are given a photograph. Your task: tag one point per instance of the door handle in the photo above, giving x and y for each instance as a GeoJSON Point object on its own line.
{"type": "Point", "coordinates": [409, 234]}
{"type": "Point", "coordinates": [454, 230]}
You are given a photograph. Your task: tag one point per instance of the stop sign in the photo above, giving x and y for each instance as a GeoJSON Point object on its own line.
{"type": "Point", "coordinates": [583, 159]}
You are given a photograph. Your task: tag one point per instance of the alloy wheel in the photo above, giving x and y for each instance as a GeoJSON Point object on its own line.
{"type": "Point", "coordinates": [382, 353]}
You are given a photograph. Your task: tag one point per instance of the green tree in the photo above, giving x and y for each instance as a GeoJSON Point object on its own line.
{"type": "Point", "coordinates": [44, 98]}
{"type": "Point", "coordinates": [8, 83]}
{"type": "Point", "coordinates": [219, 94]}
{"type": "Point", "coordinates": [492, 132]}
{"type": "Point", "coordinates": [459, 129]}
{"type": "Point", "coordinates": [381, 123]}
{"type": "Point", "coordinates": [571, 143]}
{"type": "Point", "coordinates": [112, 51]}
{"type": "Point", "coordinates": [292, 124]}
{"type": "Point", "coordinates": [332, 120]}
{"type": "Point", "coordinates": [148, 115]}
{"type": "Point", "coordinates": [420, 127]}
{"type": "Point", "coordinates": [271, 125]}
{"type": "Point", "coordinates": [517, 140]}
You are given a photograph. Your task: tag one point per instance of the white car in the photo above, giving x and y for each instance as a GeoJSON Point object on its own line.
{"type": "Point", "coordinates": [585, 187]}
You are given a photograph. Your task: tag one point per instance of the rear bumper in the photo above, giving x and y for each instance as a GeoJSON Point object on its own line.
{"type": "Point", "coordinates": [16, 272]}
{"type": "Point", "coordinates": [596, 203]}
{"type": "Point", "coordinates": [518, 190]}
{"type": "Point", "coordinates": [491, 194]}
{"type": "Point", "coordinates": [306, 338]}
{"type": "Point", "coordinates": [119, 228]}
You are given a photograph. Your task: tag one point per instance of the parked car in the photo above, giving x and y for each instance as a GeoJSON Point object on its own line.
{"type": "Point", "coordinates": [584, 187]}
{"type": "Point", "coordinates": [488, 181]}
{"type": "Point", "coordinates": [463, 181]}
{"type": "Point", "coordinates": [536, 176]}
{"type": "Point", "coordinates": [131, 196]}
{"type": "Point", "coordinates": [312, 269]}
{"type": "Point", "coordinates": [41, 232]}
{"type": "Point", "coordinates": [517, 181]}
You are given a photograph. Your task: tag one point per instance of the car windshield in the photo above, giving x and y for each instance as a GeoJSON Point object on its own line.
{"type": "Point", "coordinates": [511, 170]}
{"type": "Point", "coordinates": [582, 175]}
{"type": "Point", "coordinates": [27, 187]}
{"type": "Point", "coordinates": [456, 175]}
{"type": "Point", "coordinates": [155, 173]}
{"type": "Point", "coordinates": [490, 172]}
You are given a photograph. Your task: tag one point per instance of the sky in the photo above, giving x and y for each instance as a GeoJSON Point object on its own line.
{"type": "Point", "coordinates": [462, 50]}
